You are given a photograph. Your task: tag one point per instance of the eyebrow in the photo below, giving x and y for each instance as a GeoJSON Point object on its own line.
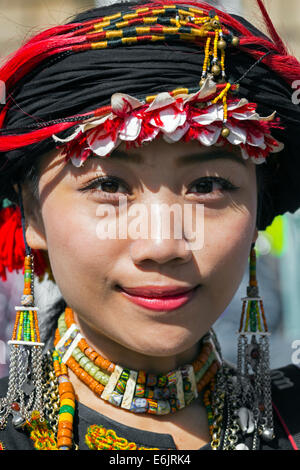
{"type": "Point", "coordinates": [212, 154]}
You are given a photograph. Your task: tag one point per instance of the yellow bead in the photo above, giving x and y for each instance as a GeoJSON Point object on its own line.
{"type": "Point", "coordinates": [67, 401]}
{"type": "Point", "coordinates": [65, 417]}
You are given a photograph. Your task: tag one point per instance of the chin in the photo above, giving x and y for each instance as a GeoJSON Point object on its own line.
{"type": "Point", "coordinates": [166, 344]}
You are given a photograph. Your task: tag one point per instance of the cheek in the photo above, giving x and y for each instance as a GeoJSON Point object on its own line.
{"type": "Point", "coordinates": [223, 259]}
{"type": "Point", "coordinates": [77, 254]}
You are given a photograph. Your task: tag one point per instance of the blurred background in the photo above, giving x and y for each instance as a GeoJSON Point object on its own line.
{"type": "Point", "coordinates": [278, 248]}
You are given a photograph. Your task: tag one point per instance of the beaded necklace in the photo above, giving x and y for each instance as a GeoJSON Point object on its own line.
{"type": "Point", "coordinates": [135, 391]}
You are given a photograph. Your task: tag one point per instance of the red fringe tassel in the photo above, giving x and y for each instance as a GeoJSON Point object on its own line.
{"type": "Point", "coordinates": [12, 247]}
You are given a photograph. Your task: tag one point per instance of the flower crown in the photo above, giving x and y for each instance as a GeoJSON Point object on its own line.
{"type": "Point", "coordinates": [184, 117]}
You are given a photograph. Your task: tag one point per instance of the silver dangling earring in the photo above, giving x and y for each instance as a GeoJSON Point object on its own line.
{"type": "Point", "coordinates": [253, 387]}
{"type": "Point", "coordinates": [24, 394]}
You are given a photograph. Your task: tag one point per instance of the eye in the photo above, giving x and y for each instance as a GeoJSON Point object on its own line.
{"type": "Point", "coordinates": [211, 186]}
{"type": "Point", "coordinates": [110, 187]}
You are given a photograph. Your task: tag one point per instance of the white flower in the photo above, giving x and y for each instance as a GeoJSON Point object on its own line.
{"type": "Point", "coordinates": [169, 116]}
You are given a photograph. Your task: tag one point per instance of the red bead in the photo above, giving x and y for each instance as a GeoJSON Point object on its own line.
{"type": "Point", "coordinates": [15, 406]}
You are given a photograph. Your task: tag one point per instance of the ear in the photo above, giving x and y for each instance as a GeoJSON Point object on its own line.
{"type": "Point", "coordinates": [255, 236]}
{"type": "Point", "coordinates": [34, 226]}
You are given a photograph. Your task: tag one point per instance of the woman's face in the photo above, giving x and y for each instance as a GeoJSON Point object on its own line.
{"type": "Point", "coordinates": [90, 270]}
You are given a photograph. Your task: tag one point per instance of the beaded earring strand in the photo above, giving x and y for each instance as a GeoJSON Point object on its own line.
{"type": "Point", "coordinates": [24, 395]}
{"type": "Point", "coordinates": [253, 355]}
{"type": "Point", "coordinates": [249, 400]}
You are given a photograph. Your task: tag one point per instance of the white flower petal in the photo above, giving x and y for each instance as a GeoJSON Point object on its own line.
{"type": "Point", "coordinates": [132, 128]}
{"type": "Point", "coordinates": [177, 134]}
{"type": "Point", "coordinates": [96, 122]}
{"type": "Point", "coordinates": [122, 103]}
{"type": "Point", "coordinates": [171, 119]}
{"type": "Point", "coordinates": [68, 139]}
{"type": "Point", "coordinates": [244, 153]}
{"type": "Point", "coordinates": [237, 104]}
{"type": "Point", "coordinates": [77, 161]}
{"type": "Point", "coordinates": [151, 137]}
{"type": "Point", "coordinates": [214, 113]}
{"type": "Point", "coordinates": [237, 135]}
{"type": "Point", "coordinates": [277, 149]}
{"type": "Point", "coordinates": [257, 141]}
{"type": "Point", "coordinates": [208, 88]}
{"type": "Point", "coordinates": [161, 100]}
{"type": "Point", "coordinates": [207, 118]}
{"type": "Point", "coordinates": [100, 145]}
{"type": "Point", "coordinates": [209, 136]}
{"type": "Point", "coordinates": [247, 115]}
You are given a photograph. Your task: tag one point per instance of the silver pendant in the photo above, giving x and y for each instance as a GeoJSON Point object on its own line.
{"type": "Point", "coordinates": [246, 420]}
{"type": "Point", "coordinates": [267, 434]}
{"type": "Point", "coordinates": [17, 421]}
{"type": "Point", "coordinates": [241, 447]}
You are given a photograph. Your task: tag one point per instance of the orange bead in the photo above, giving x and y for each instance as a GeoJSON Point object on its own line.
{"type": "Point", "coordinates": [65, 387]}
{"type": "Point", "coordinates": [66, 425]}
{"type": "Point", "coordinates": [64, 433]}
{"type": "Point", "coordinates": [111, 368]}
{"type": "Point", "coordinates": [64, 442]}
{"type": "Point", "coordinates": [69, 317]}
{"type": "Point", "coordinates": [93, 356]}
{"type": "Point", "coordinates": [64, 369]}
{"type": "Point", "coordinates": [83, 345]}
{"type": "Point", "coordinates": [68, 395]}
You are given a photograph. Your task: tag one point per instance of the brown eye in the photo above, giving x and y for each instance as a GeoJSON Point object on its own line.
{"type": "Point", "coordinates": [103, 186]}
{"type": "Point", "coordinates": [210, 184]}
{"type": "Point", "coordinates": [205, 186]}
{"type": "Point", "coordinates": [110, 186]}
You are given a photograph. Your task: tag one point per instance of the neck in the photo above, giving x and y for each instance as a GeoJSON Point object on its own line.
{"type": "Point", "coordinates": [131, 359]}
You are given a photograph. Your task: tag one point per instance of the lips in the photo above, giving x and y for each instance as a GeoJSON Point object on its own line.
{"type": "Point", "coordinates": [157, 291]}
{"type": "Point", "coordinates": [159, 298]}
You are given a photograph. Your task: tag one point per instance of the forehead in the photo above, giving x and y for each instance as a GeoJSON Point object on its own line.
{"type": "Point", "coordinates": [180, 154]}
{"type": "Point", "coordinates": [157, 153]}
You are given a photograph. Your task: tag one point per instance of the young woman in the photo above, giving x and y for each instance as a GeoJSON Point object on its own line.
{"type": "Point", "coordinates": [110, 121]}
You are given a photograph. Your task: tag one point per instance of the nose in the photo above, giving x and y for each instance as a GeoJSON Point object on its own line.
{"type": "Point", "coordinates": [160, 251]}
{"type": "Point", "coordinates": [158, 244]}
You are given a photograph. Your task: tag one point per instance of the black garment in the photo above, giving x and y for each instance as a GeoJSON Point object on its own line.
{"type": "Point", "coordinates": [285, 393]}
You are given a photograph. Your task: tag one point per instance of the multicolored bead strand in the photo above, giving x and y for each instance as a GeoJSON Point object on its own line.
{"type": "Point", "coordinates": [67, 404]}
{"type": "Point", "coordinates": [134, 391]}
{"type": "Point", "coordinates": [24, 395]}
{"type": "Point", "coordinates": [208, 405]}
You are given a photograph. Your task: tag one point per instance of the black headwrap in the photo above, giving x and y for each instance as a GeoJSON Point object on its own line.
{"type": "Point", "coordinates": [75, 83]}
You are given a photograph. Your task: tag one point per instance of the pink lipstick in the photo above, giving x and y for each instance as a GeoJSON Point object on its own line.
{"type": "Point", "coordinates": [159, 298]}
